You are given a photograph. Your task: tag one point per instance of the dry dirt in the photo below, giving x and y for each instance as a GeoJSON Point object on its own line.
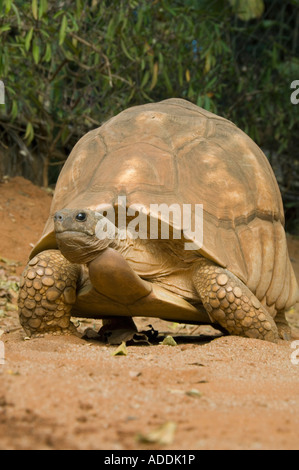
{"type": "Point", "coordinates": [69, 393]}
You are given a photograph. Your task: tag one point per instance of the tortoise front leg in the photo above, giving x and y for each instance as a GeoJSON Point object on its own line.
{"type": "Point", "coordinates": [231, 304]}
{"type": "Point", "coordinates": [47, 293]}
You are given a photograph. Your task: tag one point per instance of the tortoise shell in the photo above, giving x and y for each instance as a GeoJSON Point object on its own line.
{"type": "Point", "coordinates": [174, 152]}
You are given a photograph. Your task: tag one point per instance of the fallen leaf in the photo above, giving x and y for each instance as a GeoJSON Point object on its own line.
{"type": "Point", "coordinates": [12, 372]}
{"type": "Point", "coordinates": [169, 341]}
{"type": "Point", "coordinates": [121, 350]}
{"type": "Point", "coordinates": [193, 393]}
{"type": "Point", "coordinates": [135, 373]}
{"type": "Point", "coordinates": [163, 435]}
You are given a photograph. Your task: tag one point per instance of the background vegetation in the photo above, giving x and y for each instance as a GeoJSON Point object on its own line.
{"type": "Point", "coordinates": [70, 65]}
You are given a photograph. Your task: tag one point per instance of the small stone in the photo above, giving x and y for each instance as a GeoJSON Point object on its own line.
{"type": "Point", "coordinates": [222, 279]}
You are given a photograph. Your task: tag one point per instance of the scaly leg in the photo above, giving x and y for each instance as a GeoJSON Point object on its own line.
{"type": "Point", "coordinates": [230, 303]}
{"type": "Point", "coordinates": [47, 293]}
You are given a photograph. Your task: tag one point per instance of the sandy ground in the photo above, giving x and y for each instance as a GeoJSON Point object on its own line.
{"type": "Point", "coordinates": [70, 393]}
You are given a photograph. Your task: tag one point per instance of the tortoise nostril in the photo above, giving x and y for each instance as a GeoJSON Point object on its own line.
{"type": "Point", "coordinates": [58, 217]}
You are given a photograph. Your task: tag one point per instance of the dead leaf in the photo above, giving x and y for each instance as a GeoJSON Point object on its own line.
{"type": "Point", "coordinates": [121, 350]}
{"type": "Point", "coordinates": [169, 341]}
{"type": "Point", "coordinates": [194, 393]}
{"type": "Point", "coordinates": [163, 435]}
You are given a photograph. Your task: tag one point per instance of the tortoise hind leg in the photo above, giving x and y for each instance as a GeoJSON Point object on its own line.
{"type": "Point", "coordinates": [47, 293]}
{"type": "Point", "coordinates": [230, 303]}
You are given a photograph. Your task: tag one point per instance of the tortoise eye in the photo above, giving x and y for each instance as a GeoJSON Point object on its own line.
{"type": "Point", "coordinates": [81, 217]}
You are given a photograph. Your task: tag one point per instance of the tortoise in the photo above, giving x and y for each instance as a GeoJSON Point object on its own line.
{"type": "Point", "coordinates": [237, 277]}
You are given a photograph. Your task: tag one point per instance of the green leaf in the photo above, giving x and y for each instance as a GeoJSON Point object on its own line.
{"type": "Point", "coordinates": [62, 31]}
{"type": "Point", "coordinates": [14, 110]}
{"type": "Point", "coordinates": [43, 8]}
{"type": "Point", "coordinates": [193, 393]}
{"type": "Point", "coordinates": [48, 54]}
{"type": "Point", "coordinates": [154, 76]}
{"type": "Point", "coordinates": [125, 50]}
{"type": "Point", "coordinates": [35, 52]}
{"type": "Point", "coordinates": [34, 9]}
{"type": "Point", "coordinates": [17, 14]}
{"type": "Point", "coordinates": [248, 9]}
{"type": "Point", "coordinates": [28, 39]}
{"type": "Point", "coordinates": [8, 5]}
{"type": "Point", "coordinates": [4, 28]}
{"type": "Point", "coordinates": [29, 136]}
{"type": "Point", "coordinates": [145, 79]}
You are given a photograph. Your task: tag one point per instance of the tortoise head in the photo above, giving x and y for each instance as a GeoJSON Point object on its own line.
{"type": "Point", "coordinates": [81, 234]}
